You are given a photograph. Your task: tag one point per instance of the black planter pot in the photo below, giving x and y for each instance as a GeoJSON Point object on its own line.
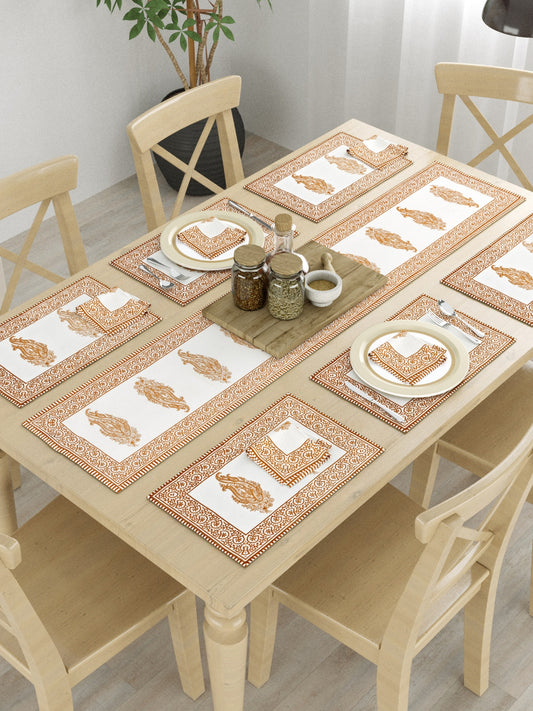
{"type": "Point", "coordinates": [182, 144]}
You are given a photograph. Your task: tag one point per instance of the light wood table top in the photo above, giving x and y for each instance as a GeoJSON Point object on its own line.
{"type": "Point", "coordinates": [223, 584]}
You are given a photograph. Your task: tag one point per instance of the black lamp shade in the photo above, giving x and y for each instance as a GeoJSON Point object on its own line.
{"type": "Point", "coordinates": [512, 17]}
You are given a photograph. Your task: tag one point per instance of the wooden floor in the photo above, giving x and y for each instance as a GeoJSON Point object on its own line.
{"type": "Point", "coordinates": [311, 671]}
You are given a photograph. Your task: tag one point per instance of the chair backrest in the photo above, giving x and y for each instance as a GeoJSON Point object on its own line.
{"type": "Point", "coordinates": [212, 101]}
{"type": "Point", "coordinates": [457, 558]}
{"type": "Point", "coordinates": [24, 641]}
{"type": "Point", "coordinates": [474, 80]}
{"type": "Point", "coordinates": [43, 183]}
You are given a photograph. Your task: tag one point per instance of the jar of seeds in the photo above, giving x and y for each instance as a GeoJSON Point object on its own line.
{"type": "Point", "coordinates": [249, 278]}
{"type": "Point", "coordinates": [286, 286]}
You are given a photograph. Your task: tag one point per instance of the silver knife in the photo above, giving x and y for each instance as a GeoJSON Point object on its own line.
{"type": "Point", "coordinates": [236, 206]}
{"type": "Point", "coordinates": [365, 396]}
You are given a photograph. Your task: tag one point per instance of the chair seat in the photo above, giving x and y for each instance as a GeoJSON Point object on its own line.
{"type": "Point", "coordinates": [494, 427]}
{"type": "Point", "coordinates": [365, 544]}
{"type": "Point", "coordinates": [96, 565]}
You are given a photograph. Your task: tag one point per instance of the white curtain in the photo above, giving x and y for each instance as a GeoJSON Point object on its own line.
{"type": "Point", "coordinates": [386, 78]}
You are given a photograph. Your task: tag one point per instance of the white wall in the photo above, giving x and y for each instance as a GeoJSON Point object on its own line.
{"type": "Point", "coordinates": [71, 80]}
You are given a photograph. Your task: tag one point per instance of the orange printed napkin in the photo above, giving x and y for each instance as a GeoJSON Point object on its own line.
{"type": "Point", "coordinates": [407, 357]}
{"type": "Point", "coordinates": [288, 453]}
{"type": "Point", "coordinates": [377, 151]}
{"type": "Point", "coordinates": [212, 237]}
{"type": "Point", "coordinates": [113, 309]}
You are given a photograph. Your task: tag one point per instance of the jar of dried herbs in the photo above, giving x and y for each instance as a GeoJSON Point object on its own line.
{"type": "Point", "coordinates": [286, 286]}
{"type": "Point", "coordinates": [249, 278]}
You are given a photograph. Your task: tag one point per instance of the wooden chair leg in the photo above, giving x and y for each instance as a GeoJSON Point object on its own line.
{"type": "Point", "coordinates": [393, 678]}
{"type": "Point", "coordinates": [423, 476]}
{"type": "Point", "coordinates": [15, 473]}
{"type": "Point", "coordinates": [263, 622]}
{"type": "Point", "coordinates": [531, 587]}
{"type": "Point", "coordinates": [478, 617]}
{"type": "Point", "coordinates": [183, 623]}
{"type": "Point", "coordinates": [8, 515]}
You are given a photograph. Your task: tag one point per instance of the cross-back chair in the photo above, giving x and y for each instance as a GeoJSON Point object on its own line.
{"type": "Point", "coordinates": [481, 439]}
{"type": "Point", "coordinates": [476, 80]}
{"type": "Point", "coordinates": [389, 578]}
{"type": "Point", "coordinates": [212, 101]}
{"type": "Point", "coordinates": [72, 595]}
{"type": "Point", "coordinates": [49, 182]}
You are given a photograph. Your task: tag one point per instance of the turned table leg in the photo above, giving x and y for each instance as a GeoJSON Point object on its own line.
{"type": "Point", "coordinates": [8, 516]}
{"type": "Point", "coordinates": [226, 641]}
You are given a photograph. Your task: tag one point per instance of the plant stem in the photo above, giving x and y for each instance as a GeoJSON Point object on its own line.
{"type": "Point", "coordinates": [172, 58]}
{"type": "Point", "coordinates": [214, 45]}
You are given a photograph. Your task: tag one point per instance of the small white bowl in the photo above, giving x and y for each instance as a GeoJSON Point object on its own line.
{"type": "Point", "coordinates": [319, 297]}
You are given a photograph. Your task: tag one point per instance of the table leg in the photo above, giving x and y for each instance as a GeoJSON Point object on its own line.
{"type": "Point", "coordinates": [226, 641]}
{"type": "Point", "coordinates": [8, 516]}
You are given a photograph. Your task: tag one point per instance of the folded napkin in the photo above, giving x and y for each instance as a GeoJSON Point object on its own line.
{"type": "Point", "coordinates": [377, 151]}
{"type": "Point", "coordinates": [288, 453]}
{"type": "Point", "coordinates": [113, 309]}
{"type": "Point", "coordinates": [407, 357]}
{"type": "Point", "coordinates": [212, 237]}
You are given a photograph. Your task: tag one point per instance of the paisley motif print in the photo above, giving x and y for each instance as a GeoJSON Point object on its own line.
{"type": "Point", "coordinates": [452, 196]}
{"type": "Point", "coordinates": [389, 239]}
{"type": "Point", "coordinates": [348, 165]}
{"type": "Point", "coordinates": [423, 218]}
{"type": "Point", "coordinates": [517, 277]}
{"type": "Point", "coordinates": [116, 428]}
{"type": "Point", "coordinates": [160, 394]}
{"type": "Point", "coordinates": [79, 324]}
{"type": "Point", "coordinates": [246, 492]}
{"type": "Point", "coordinates": [207, 366]}
{"type": "Point", "coordinates": [362, 260]}
{"type": "Point", "coordinates": [32, 351]}
{"type": "Point", "coordinates": [316, 185]}
{"type": "Point", "coordinates": [528, 246]}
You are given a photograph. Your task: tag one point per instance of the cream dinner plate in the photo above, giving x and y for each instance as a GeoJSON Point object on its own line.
{"type": "Point", "coordinates": [442, 379]}
{"type": "Point", "coordinates": [186, 256]}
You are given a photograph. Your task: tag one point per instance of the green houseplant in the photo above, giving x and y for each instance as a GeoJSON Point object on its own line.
{"type": "Point", "coordinates": [195, 29]}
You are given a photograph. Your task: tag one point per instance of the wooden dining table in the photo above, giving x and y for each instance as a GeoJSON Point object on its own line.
{"type": "Point", "coordinates": [223, 584]}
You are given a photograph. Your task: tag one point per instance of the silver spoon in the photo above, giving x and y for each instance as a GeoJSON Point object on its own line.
{"type": "Point", "coordinates": [163, 283]}
{"type": "Point", "coordinates": [448, 310]}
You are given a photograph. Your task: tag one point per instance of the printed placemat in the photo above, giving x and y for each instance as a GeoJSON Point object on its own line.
{"type": "Point", "coordinates": [204, 281]}
{"type": "Point", "coordinates": [501, 275]}
{"type": "Point", "coordinates": [237, 506]}
{"type": "Point", "coordinates": [46, 344]}
{"type": "Point", "coordinates": [326, 177]}
{"type": "Point", "coordinates": [333, 375]}
{"type": "Point", "coordinates": [416, 224]}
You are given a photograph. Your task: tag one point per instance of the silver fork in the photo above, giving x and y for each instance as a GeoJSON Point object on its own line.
{"type": "Point", "coordinates": [438, 321]}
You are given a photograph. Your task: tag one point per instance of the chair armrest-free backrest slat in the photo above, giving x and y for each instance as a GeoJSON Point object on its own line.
{"type": "Point", "coordinates": [41, 182]}
{"type": "Point", "coordinates": [484, 81]}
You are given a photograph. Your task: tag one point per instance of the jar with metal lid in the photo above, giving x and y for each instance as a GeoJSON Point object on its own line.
{"type": "Point", "coordinates": [249, 278]}
{"type": "Point", "coordinates": [286, 286]}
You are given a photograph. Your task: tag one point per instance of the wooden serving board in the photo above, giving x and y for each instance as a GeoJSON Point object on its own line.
{"type": "Point", "coordinates": [279, 337]}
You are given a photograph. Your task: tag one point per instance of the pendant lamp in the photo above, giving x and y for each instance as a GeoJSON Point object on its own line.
{"type": "Point", "coordinates": [512, 17]}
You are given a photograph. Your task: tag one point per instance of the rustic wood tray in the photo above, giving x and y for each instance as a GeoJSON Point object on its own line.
{"type": "Point", "coordinates": [279, 337]}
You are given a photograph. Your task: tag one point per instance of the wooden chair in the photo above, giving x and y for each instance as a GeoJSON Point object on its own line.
{"type": "Point", "coordinates": [72, 595]}
{"type": "Point", "coordinates": [43, 183]}
{"type": "Point", "coordinates": [212, 101]}
{"type": "Point", "coordinates": [482, 439]}
{"type": "Point", "coordinates": [467, 80]}
{"type": "Point", "coordinates": [385, 587]}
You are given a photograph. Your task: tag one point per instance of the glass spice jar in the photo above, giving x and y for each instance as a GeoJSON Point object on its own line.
{"type": "Point", "coordinates": [286, 286]}
{"type": "Point", "coordinates": [249, 278]}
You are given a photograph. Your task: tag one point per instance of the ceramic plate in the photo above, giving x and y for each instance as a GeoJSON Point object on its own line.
{"type": "Point", "coordinates": [186, 256]}
{"type": "Point", "coordinates": [444, 378]}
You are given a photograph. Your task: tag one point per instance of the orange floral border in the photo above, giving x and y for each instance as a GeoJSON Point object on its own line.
{"type": "Point", "coordinates": [334, 373]}
{"type": "Point", "coordinates": [463, 278]}
{"type": "Point", "coordinates": [18, 391]}
{"type": "Point", "coordinates": [174, 496]}
{"type": "Point", "coordinates": [265, 185]}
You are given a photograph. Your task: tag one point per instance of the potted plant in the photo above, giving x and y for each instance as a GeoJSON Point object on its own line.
{"type": "Point", "coordinates": [196, 31]}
